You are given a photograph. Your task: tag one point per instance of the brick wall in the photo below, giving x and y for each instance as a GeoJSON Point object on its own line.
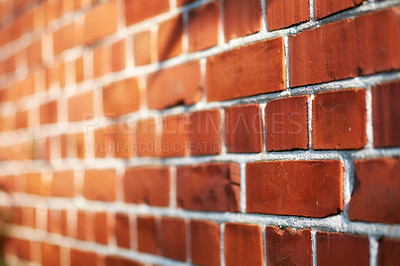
{"type": "Point", "coordinates": [170, 132]}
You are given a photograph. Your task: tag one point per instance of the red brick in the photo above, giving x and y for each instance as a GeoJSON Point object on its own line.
{"type": "Point", "coordinates": [340, 249]}
{"type": "Point", "coordinates": [23, 249]}
{"type": "Point", "coordinates": [55, 76]}
{"type": "Point", "coordinates": [84, 225]}
{"type": "Point", "coordinates": [35, 52]}
{"type": "Point", "coordinates": [118, 56]}
{"type": "Point", "coordinates": [100, 185]}
{"type": "Point", "coordinates": [243, 129]}
{"type": "Point", "coordinates": [50, 255]}
{"type": "Point", "coordinates": [177, 85]}
{"type": "Point", "coordinates": [64, 223]}
{"type": "Point", "coordinates": [121, 97]}
{"type": "Point", "coordinates": [21, 119]}
{"type": "Point", "coordinates": [205, 132]}
{"type": "Point", "coordinates": [339, 120]}
{"type": "Point", "coordinates": [142, 44]}
{"type": "Point", "coordinates": [83, 258]}
{"type": "Point", "coordinates": [324, 8]}
{"type": "Point", "coordinates": [388, 252]}
{"type": "Point", "coordinates": [241, 18]}
{"type": "Point", "coordinates": [101, 21]}
{"type": "Point", "coordinates": [287, 124]}
{"type": "Point", "coordinates": [124, 142]}
{"type": "Point", "coordinates": [28, 217]}
{"type": "Point", "coordinates": [48, 113]}
{"type": "Point", "coordinates": [249, 70]}
{"type": "Point", "coordinates": [63, 184]}
{"type": "Point", "coordinates": [104, 141]}
{"type": "Point", "coordinates": [67, 37]}
{"type": "Point", "coordinates": [101, 61]}
{"type": "Point", "coordinates": [173, 235]}
{"type": "Point", "coordinates": [175, 137]}
{"type": "Point", "coordinates": [147, 138]}
{"type": "Point", "coordinates": [205, 242]}
{"type": "Point", "coordinates": [122, 231]}
{"type": "Point", "coordinates": [243, 244]}
{"type": "Point", "coordinates": [209, 187]}
{"type": "Point", "coordinates": [147, 235]}
{"type": "Point", "coordinates": [169, 41]}
{"type": "Point", "coordinates": [281, 14]}
{"type": "Point", "coordinates": [54, 221]}
{"type": "Point", "coordinates": [338, 50]}
{"type": "Point", "coordinates": [147, 184]}
{"type": "Point", "coordinates": [80, 107]}
{"type": "Point", "coordinates": [101, 227]}
{"type": "Point", "coordinates": [386, 114]}
{"type": "Point", "coordinates": [288, 247]}
{"type": "Point", "coordinates": [376, 194]}
{"type": "Point", "coordinates": [183, 2]}
{"type": "Point", "coordinates": [79, 70]}
{"type": "Point", "coordinates": [301, 188]}
{"type": "Point", "coordinates": [203, 28]}
{"type": "Point", "coordinates": [138, 10]}
{"type": "Point", "coordinates": [119, 261]}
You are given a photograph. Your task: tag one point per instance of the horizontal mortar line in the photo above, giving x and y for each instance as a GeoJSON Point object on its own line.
{"type": "Point", "coordinates": [45, 130]}
{"type": "Point", "coordinates": [248, 39]}
{"type": "Point", "coordinates": [25, 166]}
{"type": "Point", "coordinates": [73, 243]}
{"type": "Point", "coordinates": [334, 223]}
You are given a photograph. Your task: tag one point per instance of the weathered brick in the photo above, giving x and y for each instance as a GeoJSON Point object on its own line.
{"type": "Point", "coordinates": [388, 252]}
{"type": "Point", "coordinates": [243, 244]}
{"type": "Point", "coordinates": [302, 188]}
{"type": "Point", "coordinates": [173, 235]}
{"type": "Point", "coordinates": [287, 124]}
{"type": "Point", "coordinates": [209, 187]}
{"type": "Point", "coordinates": [175, 137]}
{"type": "Point", "coordinates": [147, 236]}
{"type": "Point", "coordinates": [169, 41]}
{"type": "Point", "coordinates": [339, 120]}
{"type": "Point", "coordinates": [249, 70]}
{"type": "Point", "coordinates": [205, 242]}
{"type": "Point", "coordinates": [122, 230]}
{"type": "Point", "coordinates": [324, 8]}
{"type": "Point", "coordinates": [376, 194]}
{"type": "Point", "coordinates": [281, 14]}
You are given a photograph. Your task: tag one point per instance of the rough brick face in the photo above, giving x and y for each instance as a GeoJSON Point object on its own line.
{"type": "Point", "coordinates": [243, 244]}
{"type": "Point", "coordinates": [205, 242]}
{"type": "Point", "coordinates": [175, 137]}
{"type": "Point", "coordinates": [302, 188]}
{"type": "Point", "coordinates": [243, 129]}
{"type": "Point", "coordinates": [205, 132]}
{"type": "Point", "coordinates": [325, 8]}
{"type": "Point", "coordinates": [136, 11]}
{"type": "Point", "coordinates": [339, 120]}
{"type": "Point", "coordinates": [170, 38]}
{"type": "Point", "coordinates": [340, 249]}
{"type": "Point", "coordinates": [100, 185]}
{"type": "Point", "coordinates": [241, 18]}
{"type": "Point", "coordinates": [148, 185]}
{"type": "Point", "coordinates": [337, 50]}
{"type": "Point", "coordinates": [212, 187]}
{"type": "Point", "coordinates": [121, 97]}
{"type": "Point", "coordinates": [147, 235]}
{"type": "Point", "coordinates": [281, 14]}
{"type": "Point", "coordinates": [203, 27]}
{"type": "Point", "coordinates": [287, 124]}
{"type": "Point", "coordinates": [376, 194]}
{"type": "Point", "coordinates": [168, 87]}
{"type": "Point", "coordinates": [386, 114]}
{"type": "Point", "coordinates": [173, 235]}
{"type": "Point", "coordinates": [288, 247]}
{"type": "Point", "coordinates": [101, 22]}
{"type": "Point", "coordinates": [245, 71]}
{"type": "Point", "coordinates": [388, 252]}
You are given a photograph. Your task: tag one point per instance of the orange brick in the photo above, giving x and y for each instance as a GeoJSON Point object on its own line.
{"type": "Point", "coordinates": [142, 43]}
{"type": "Point", "coordinates": [121, 97]}
{"type": "Point", "coordinates": [170, 38]}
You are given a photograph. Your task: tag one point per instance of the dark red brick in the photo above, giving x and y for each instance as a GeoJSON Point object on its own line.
{"type": "Point", "coordinates": [173, 235]}
{"type": "Point", "coordinates": [281, 14]}
{"type": "Point", "coordinates": [205, 242]}
{"type": "Point", "coordinates": [389, 252]}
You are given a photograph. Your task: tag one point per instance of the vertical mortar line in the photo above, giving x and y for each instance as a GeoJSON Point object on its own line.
{"type": "Point", "coordinates": [221, 37]}
{"type": "Point", "coordinates": [369, 126]}
{"type": "Point", "coordinates": [203, 69]}
{"type": "Point", "coordinates": [172, 193]}
{"type": "Point", "coordinates": [185, 36]}
{"type": "Point", "coordinates": [314, 246]}
{"type": "Point", "coordinates": [263, 124]}
{"type": "Point", "coordinates": [287, 69]}
{"type": "Point", "coordinates": [264, 26]}
{"type": "Point", "coordinates": [154, 43]}
{"type": "Point", "coordinates": [373, 251]}
{"type": "Point", "coordinates": [348, 180]}
{"type": "Point", "coordinates": [188, 242]}
{"type": "Point", "coordinates": [312, 10]}
{"type": "Point", "coordinates": [310, 122]}
{"type": "Point", "coordinates": [173, 4]}
{"type": "Point", "coordinates": [243, 187]}
{"type": "Point", "coordinates": [129, 52]}
{"type": "Point", "coordinates": [222, 243]}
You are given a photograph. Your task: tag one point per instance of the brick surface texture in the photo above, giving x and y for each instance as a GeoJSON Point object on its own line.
{"type": "Point", "coordinates": [199, 132]}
